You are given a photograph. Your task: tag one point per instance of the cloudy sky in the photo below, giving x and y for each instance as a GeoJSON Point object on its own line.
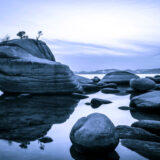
{"type": "Point", "coordinates": [90, 34]}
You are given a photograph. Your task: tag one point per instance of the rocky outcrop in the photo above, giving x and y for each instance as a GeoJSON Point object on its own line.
{"type": "Point", "coordinates": [118, 77]}
{"type": "Point", "coordinates": [149, 125]}
{"type": "Point", "coordinates": [142, 84]}
{"type": "Point", "coordinates": [23, 71]}
{"type": "Point", "coordinates": [147, 149]}
{"type": "Point", "coordinates": [147, 101]}
{"type": "Point", "coordinates": [94, 134]}
{"type": "Point", "coordinates": [28, 118]}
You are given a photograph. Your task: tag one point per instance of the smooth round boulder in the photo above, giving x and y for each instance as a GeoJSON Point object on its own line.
{"type": "Point", "coordinates": [118, 77]}
{"type": "Point", "coordinates": [94, 134]}
{"type": "Point", "coordinates": [96, 102]}
{"type": "Point", "coordinates": [142, 84]}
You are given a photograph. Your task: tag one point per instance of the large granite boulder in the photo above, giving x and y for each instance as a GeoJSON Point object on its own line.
{"type": "Point", "coordinates": [142, 84]}
{"type": "Point", "coordinates": [28, 118]}
{"type": "Point", "coordinates": [23, 71]}
{"type": "Point", "coordinates": [118, 77]}
{"type": "Point", "coordinates": [94, 134]}
{"type": "Point", "coordinates": [147, 101]}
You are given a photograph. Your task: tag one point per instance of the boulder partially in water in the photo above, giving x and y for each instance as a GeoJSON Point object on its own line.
{"type": "Point", "coordinates": [118, 77]}
{"type": "Point", "coordinates": [27, 68]}
{"type": "Point", "coordinates": [147, 149]}
{"type": "Point", "coordinates": [94, 134]}
{"type": "Point", "coordinates": [127, 132]}
{"type": "Point", "coordinates": [149, 125]}
{"type": "Point", "coordinates": [142, 84]}
{"type": "Point", "coordinates": [96, 102]}
{"type": "Point", "coordinates": [147, 101]}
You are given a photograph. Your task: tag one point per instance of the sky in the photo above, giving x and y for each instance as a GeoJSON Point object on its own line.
{"type": "Point", "coordinates": [90, 34]}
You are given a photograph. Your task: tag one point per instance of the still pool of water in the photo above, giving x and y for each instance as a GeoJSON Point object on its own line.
{"type": "Point", "coordinates": [30, 118]}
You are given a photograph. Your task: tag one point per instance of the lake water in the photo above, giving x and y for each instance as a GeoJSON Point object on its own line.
{"type": "Point", "coordinates": [58, 115]}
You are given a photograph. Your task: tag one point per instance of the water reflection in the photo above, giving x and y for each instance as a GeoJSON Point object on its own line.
{"type": "Point", "coordinates": [27, 118]}
{"type": "Point", "coordinates": [79, 156]}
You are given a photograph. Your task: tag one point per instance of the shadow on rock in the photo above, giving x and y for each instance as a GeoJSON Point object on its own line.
{"type": "Point", "coordinates": [80, 156]}
{"type": "Point", "coordinates": [25, 119]}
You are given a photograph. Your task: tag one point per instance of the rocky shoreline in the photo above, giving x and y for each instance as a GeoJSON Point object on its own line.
{"type": "Point", "coordinates": [30, 76]}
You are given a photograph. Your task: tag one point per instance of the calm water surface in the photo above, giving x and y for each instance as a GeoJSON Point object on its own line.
{"type": "Point", "coordinates": [60, 125]}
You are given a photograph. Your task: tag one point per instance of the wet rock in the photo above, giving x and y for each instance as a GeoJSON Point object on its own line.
{"type": "Point", "coordinates": [147, 101]}
{"type": "Point", "coordinates": [125, 108]}
{"type": "Point", "coordinates": [93, 156]}
{"type": "Point", "coordinates": [155, 79]}
{"type": "Point", "coordinates": [147, 149]}
{"type": "Point", "coordinates": [79, 96]}
{"type": "Point", "coordinates": [130, 90]}
{"type": "Point", "coordinates": [83, 80]}
{"type": "Point", "coordinates": [46, 139]}
{"type": "Point", "coordinates": [109, 85]}
{"type": "Point", "coordinates": [96, 79]}
{"type": "Point", "coordinates": [110, 90]}
{"type": "Point", "coordinates": [88, 103]}
{"type": "Point", "coordinates": [142, 84]}
{"type": "Point", "coordinates": [90, 88]}
{"type": "Point", "coordinates": [119, 77]}
{"type": "Point", "coordinates": [94, 133]}
{"type": "Point", "coordinates": [26, 119]}
{"type": "Point", "coordinates": [96, 102]}
{"type": "Point", "coordinates": [126, 132]}
{"type": "Point", "coordinates": [27, 69]}
{"type": "Point", "coordinates": [149, 125]}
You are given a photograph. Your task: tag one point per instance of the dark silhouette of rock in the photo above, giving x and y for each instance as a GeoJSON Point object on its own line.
{"type": "Point", "coordinates": [94, 133]}
{"type": "Point", "coordinates": [88, 88]}
{"type": "Point", "coordinates": [28, 118]}
{"type": "Point", "coordinates": [96, 79]}
{"type": "Point", "coordinates": [110, 90]}
{"type": "Point", "coordinates": [23, 71]}
{"type": "Point", "coordinates": [147, 101]}
{"type": "Point", "coordinates": [144, 115]}
{"type": "Point", "coordinates": [118, 77]}
{"type": "Point", "coordinates": [125, 108]}
{"type": "Point", "coordinates": [46, 139]}
{"type": "Point", "coordinates": [147, 149]}
{"type": "Point", "coordinates": [127, 132]}
{"type": "Point", "coordinates": [142, 84]}
{"type": "Point", "coordinates": [93, 156]}
{"type": "Point", "coordinates": [109, 85]}
{"type": "Point", "coordinates": [149, 125]}
{"type": "Point", "coordinates": [96, 102]}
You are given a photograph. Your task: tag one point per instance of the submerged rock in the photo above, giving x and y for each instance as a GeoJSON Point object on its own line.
{"type": "Point", "coordinates": [126, 132]}
{"type": "Point", "coordinates": [23, 71]}
{"type": "Point", "coordinates": [119, 77]}
{"type": "Point", "coordinates": [142, 84]}
{"type": "Point", "coordinates": [96, 102]}
{"type": "Point", "coordinates": [94, 134]}
{"type": "Point", "coordinates": [149, 125]}
{"type": "Point", "coordinates": [125, 108]}
{"type": "Point", "coordinates": [110, 90]}
{"type": "Point", "coordinates": [147, 149]}
{"type": "Point", "coordinates": [147, 101]}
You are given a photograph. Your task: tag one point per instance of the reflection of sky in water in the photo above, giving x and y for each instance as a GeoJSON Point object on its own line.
{"type": "Point", "coordinates": [59, 148]}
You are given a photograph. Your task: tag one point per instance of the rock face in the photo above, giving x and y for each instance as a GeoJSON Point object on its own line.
{"type": "Point", "coordinates": [28, 67]}
{"type": "Point", "coordinates": [147, 101]}
{"type": "Point", "coordinates": [149, 125]}
{"type": "Point", "coordinates": [142, 84]}
{"type": "Point", "coordinates": [126, 132]}
{"type": "Point", "coordinates": [118, 77]}
{"type": "Point", "coordinates": [94, 134]}
{"type": "Point", "coordinates": [147, 149]}
{"type": "Point", "coordinates": [28, 118]}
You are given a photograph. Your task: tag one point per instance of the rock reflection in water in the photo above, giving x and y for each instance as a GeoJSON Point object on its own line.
{"type": "Point", "coordinates": [25, 119]}
{"type": "Point", "coordinates": [79, 156]}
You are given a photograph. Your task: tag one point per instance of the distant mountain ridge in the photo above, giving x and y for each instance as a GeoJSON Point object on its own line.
{"type": "Point", "coordinates": [137, 71]}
